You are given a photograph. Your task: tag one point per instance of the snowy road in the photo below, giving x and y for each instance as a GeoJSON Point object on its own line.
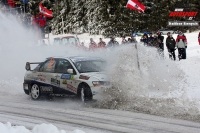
{"type": "Point", "coordinates": [66, 116]}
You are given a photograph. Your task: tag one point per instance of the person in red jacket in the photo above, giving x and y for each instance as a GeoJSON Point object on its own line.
{"type": "Point", "coordinates": [199, 38]}
{"type": "Point", "coordinates": [101, 43]}
{"type": "Point", "coordinates": [92, 44]}
{"type": "Point", "coordinates": [181, 44]}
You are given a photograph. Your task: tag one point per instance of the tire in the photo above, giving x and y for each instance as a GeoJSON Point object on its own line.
{"type": "Point", "coordinates": [35, 92]}
{"type": "Point", "coordinates": [84, 93]}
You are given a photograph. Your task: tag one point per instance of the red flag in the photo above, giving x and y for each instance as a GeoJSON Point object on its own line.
{"type": "Point", "coordinates": [135, 5]}
{"type": "Point", "coordinates": [11, 3]}
{"type": "Point", "coordinates": [45, 11]}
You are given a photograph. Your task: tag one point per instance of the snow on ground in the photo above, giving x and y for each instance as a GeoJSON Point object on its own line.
{"type": "Point", "coordinates": [42, 128]}
{"type": "Point", "coordinates": [142, 81]}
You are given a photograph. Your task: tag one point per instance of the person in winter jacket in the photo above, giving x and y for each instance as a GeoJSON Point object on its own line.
{"type": "Point", "coordinates": [161, 44]}
{"type": "Point", "coordinates": [199, 38]}
{"type": "Point", "coordinates": [181, 36]}
{"type": "Point", "coordinates": [92, 44]}
{"type": "Point", "coordinates": [170, 44]}
{"type": "Point", "coordinates": [133, 40]}
{"type": "Point", "coordinates": [145, 40]}
{"type": "Point", "coordinates": [101, 43]}
{"type": "Point", "coordinates": [112, 42]}
{"type": "Point", "coordinates": [83, 47]}
{"type": "Point", "coordinates": [155, 42]}
{"type": "Point", "coordinates": [181, 44]}
{"type": "Point", "coordinates": [150, 39]}
{"type": "Point", "coordinates": [124, 41]}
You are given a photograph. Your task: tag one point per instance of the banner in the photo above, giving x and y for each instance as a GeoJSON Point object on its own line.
{"type": "Point", "coordinates": [135, 5]}
{"type": "Point", "coordinates": [44, 11]}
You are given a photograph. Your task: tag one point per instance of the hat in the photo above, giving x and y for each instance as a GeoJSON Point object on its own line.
{"type": "Point", "coordinates": [158, 32]}
{"type": "Point", "coordinates": [180, 33]}
{"type": "Point", "coordinates": [168, 33]}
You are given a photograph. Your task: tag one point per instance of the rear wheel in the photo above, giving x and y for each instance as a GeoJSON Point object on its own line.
{"type": "Point", "coordinates": [35, 92]}
{"type": "Point", "coordinates": [84, 93]}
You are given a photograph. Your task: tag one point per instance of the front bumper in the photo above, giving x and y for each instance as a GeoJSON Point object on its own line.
{"type": "Point", "coordinates": [26, 90]}
{"type": "Point", "coordinates": [98, 90]}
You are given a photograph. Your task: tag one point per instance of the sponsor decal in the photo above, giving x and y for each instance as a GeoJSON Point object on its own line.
{"type": "Point", "coordinates": [71, 88]}
{"type": "Point", "coordinates": [55, 82]}
{"type": "Point", "coordinates": [183, 14]}
{"type": "Point", "coordinates": [84, 77]}
{"type": "Point", "coordinates": [31, 77]}
{"type": "Point", "coordinates": [46, 88]}
{"type": "Point", "coordinates": [64, 81]}
{"type": "Point", "coordinates": [184, 11]}
{"type": "Point", "coordinates": [183, 23]}
{"type": "Point", "coordinates": [42, 79]}
{"type": "Point", "coordinates": [67, 76]}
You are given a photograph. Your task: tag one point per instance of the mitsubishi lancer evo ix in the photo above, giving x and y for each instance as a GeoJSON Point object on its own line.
{"type": "Point", "coordinates": [81, 76]}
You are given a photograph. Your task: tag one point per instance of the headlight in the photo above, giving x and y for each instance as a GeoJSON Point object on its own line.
{"type": "Point", "coordinates": [96, 83]}
{"type": "Point", "coordinates": [103, 83]}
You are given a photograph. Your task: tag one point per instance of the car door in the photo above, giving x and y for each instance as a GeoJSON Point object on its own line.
{"type": "Point", "coordinates": [47, 75]}
{"type": "Point", "coordinates": [67, 80]}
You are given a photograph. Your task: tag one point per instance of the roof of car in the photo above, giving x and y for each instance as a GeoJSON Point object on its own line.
{"type": "Point", "coordinates": [68, 37]}
{"type": "Point", "coordinates": [83, 58]}
{"type": "Point", "coordinates": [78, 58]}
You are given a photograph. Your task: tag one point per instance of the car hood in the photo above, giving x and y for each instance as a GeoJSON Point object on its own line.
{"type": "Point", "coordinates": [101, 76]}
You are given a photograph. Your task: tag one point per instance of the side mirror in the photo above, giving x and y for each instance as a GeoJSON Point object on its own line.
{"type": "Point", "coordinates": [28, 66]}
{"type": "Point", "coordinates": [70, 71]}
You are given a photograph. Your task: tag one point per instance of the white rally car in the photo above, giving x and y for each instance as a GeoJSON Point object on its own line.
{"type": "Point", "coordinates": [81, 76]}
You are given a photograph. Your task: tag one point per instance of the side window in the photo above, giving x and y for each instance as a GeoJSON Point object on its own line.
{"type": "Point", "coordinates": [63, 65]}
{"type": "Point", "coordinates": [72, 41]}
{"type": "Point", "coordinates": [65, 41]}
{"type": "Point", "coordinates": [48, 66]}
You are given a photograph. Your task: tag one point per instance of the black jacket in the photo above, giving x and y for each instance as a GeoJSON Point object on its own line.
{"type": "Point", "coordinates": [170, 43]}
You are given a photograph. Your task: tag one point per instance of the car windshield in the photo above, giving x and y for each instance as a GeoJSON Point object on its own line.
{"type": "Point", "coordinates": [90, 66]}
{"type": "Point", "coordinates": [69, 41]}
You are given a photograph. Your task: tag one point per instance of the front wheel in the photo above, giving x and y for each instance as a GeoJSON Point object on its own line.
{"type": "Point", "coordinates": [84, 92]}
{"type": "Point", "coordinates": [35, 92]}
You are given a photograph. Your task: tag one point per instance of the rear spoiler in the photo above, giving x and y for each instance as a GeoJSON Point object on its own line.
{"type": "Point", "coordinates": [28, 65]}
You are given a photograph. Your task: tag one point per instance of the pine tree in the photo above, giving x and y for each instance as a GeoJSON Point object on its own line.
{"type": "Point", "coordinates": [108, 17]}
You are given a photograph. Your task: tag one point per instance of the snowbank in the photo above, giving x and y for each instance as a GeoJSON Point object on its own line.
{"type": "Point", "coordinates": [42, 128]}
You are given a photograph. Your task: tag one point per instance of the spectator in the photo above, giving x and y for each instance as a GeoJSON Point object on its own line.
{"type": "Point", "coordinates": [181, 44]}
{"type": "Point", "coordinates": [92, 44]}
{"type": "Point", "coordinates": [44, 43]}
{"type": "Point", "coordinates": [101, 43]}
{"type": "Point", "coordinates": [155, 42]}
{"type": "Point", "coordinates": [161, 44]}
{"type": "Point", "coordinates": [170, 44]}
{"type": "Point", "coordinates": [133, 40]}
{"type": "Point", "coordinates": [83, 46]}
{"type": "Point", "coordinates": [199, 38]}
{"type": "Point", "coordinates": [112, 42]}
{"type": "Point", "coordinates": [145, 40]}
{"type": "Point", "coordinates": [124, 41]}
{"type": "Point", "coordinates": [129, 40]}
{"type": "Point", "coordinates": [150, 39]}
